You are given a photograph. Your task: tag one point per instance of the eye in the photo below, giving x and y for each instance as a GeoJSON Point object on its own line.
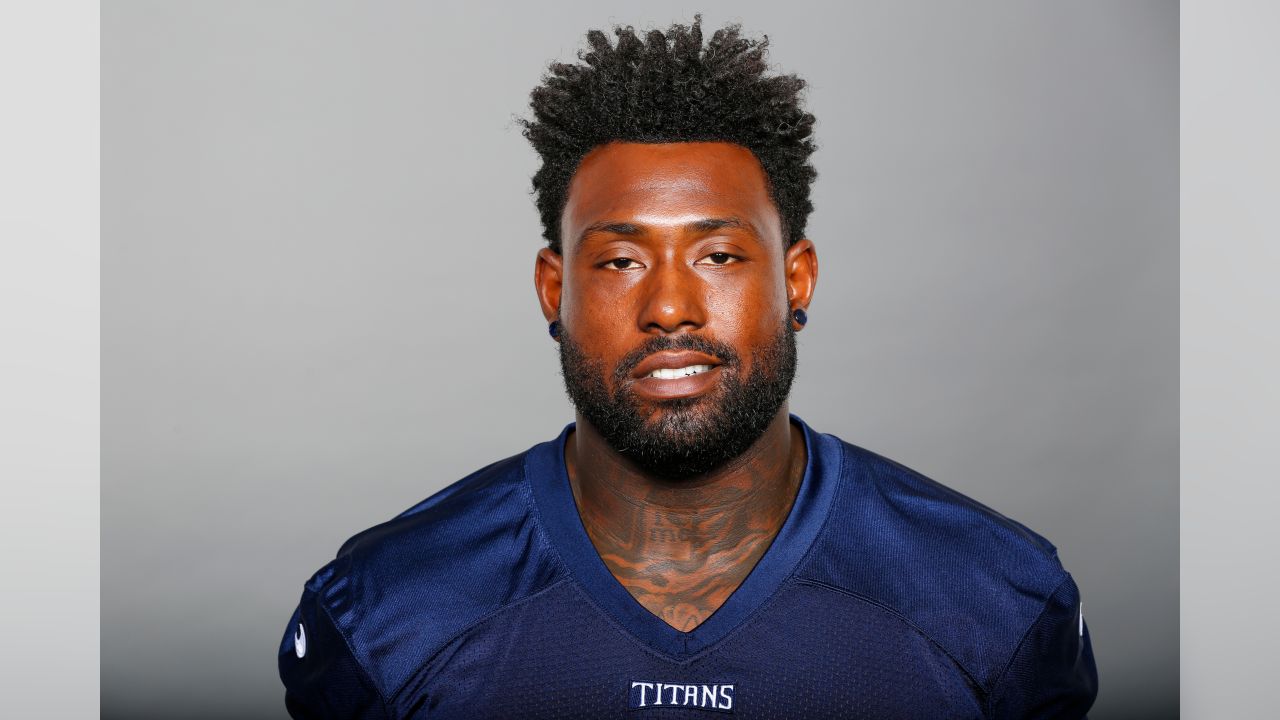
{"type": "Point", "coordinates": [721, 258]}
{"type": "Point", "coordinates": [622, 263]}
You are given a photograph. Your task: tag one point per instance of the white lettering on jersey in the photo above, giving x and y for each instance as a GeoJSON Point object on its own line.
{"type": "Point", "coordinates": [642, 694]}
{"type": "Point", "coordinates": [643, 686]}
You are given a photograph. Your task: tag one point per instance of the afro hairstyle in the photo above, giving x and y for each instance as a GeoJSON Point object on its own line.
{"type": "Point", "coordinates": [670, 87]}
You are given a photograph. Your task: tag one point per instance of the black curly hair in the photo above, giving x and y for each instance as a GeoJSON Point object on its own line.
{"type": "Point", "coordinates": [669, 87]}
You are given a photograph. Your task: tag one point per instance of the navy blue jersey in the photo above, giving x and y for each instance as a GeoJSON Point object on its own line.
{"type": "Point", "coordinates": [884, 595]}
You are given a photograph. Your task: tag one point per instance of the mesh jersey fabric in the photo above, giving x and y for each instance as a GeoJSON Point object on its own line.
{"type": "Point", "coordinates": [884, 595]}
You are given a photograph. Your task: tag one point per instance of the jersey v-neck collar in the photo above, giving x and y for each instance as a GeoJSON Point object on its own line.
{"type": "Point", "coordinates": [549, 480]}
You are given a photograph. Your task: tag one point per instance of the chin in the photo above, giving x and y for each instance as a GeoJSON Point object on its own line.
{"type": "Point", "coordinates": [681, 413]}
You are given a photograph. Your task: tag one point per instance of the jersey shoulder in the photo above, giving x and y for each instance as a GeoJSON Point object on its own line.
{"type": "Point", "coordinates": [401, 590]}
{"type": "Point", "coordinates": [970, 579]}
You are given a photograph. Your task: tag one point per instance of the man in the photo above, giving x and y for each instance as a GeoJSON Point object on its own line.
{"type": "Point", "coordinates": [687, 545]}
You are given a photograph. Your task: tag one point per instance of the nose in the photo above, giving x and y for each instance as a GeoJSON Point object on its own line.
{"type": "Point", "coordinates": [673, 299]}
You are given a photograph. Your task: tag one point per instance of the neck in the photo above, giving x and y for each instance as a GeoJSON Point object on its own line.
{"type": "Point", "coordinates": [682, 547]}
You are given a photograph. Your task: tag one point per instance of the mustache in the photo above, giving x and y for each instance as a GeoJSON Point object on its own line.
{"type": "Point", "coordinates": [697, 343]}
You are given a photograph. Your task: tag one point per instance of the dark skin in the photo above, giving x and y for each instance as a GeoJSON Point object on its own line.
{"type": "Point", "coordinates": [646, 251]}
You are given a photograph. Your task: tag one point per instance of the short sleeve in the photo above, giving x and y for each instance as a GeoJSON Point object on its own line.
{"type": "Point", "coordinates": [321, 677]}
{"type": "Point", "coordinates": [1052, 673]}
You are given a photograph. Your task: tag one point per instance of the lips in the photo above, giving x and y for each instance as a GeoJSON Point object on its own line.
{"type": "Point", "coordinates": [672, 362]}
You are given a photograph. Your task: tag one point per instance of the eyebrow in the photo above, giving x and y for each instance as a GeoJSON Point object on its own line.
{"type": "Point", "coordinates": [703, 225]}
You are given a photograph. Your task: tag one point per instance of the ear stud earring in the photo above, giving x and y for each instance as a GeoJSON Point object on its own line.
{"type": "Point", "coordinates": [554, 329]}
{"type": "Point", "coordinates": [800, 316]}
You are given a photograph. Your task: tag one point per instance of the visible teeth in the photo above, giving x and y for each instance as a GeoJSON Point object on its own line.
{"type": "Point", "coordinates": [673, 373]}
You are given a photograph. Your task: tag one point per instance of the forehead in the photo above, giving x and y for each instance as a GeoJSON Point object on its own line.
{"type": "Point", "coordinates": [653, 184]}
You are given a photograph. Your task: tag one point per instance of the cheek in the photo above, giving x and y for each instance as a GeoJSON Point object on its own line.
{"type": "Point", "coordinates": [597, 313]}
{"type": "Point", "coordinates": [747, 307]}
{"type": "Point", "coordinates": [579, 301]}
{"type": "Point", "coordinates": [602, 322]}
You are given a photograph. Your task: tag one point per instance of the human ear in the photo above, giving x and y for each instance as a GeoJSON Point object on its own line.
{"type": "Point", "coordinates": [548, 279]}
{"type": "Point", "coordinates": [800, 265]}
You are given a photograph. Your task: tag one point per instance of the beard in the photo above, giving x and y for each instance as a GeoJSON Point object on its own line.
{"type": "Point", "coordinates": [689, 436]}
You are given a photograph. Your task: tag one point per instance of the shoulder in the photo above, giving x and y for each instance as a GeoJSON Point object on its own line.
{"type": "Point", "coordinates": [970, 579]}
{"type": "Point", "coordinates": [401, 590]}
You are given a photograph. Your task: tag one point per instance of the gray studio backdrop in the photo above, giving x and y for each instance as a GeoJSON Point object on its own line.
{"type": "Point", "coordinates": [318, 303]}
